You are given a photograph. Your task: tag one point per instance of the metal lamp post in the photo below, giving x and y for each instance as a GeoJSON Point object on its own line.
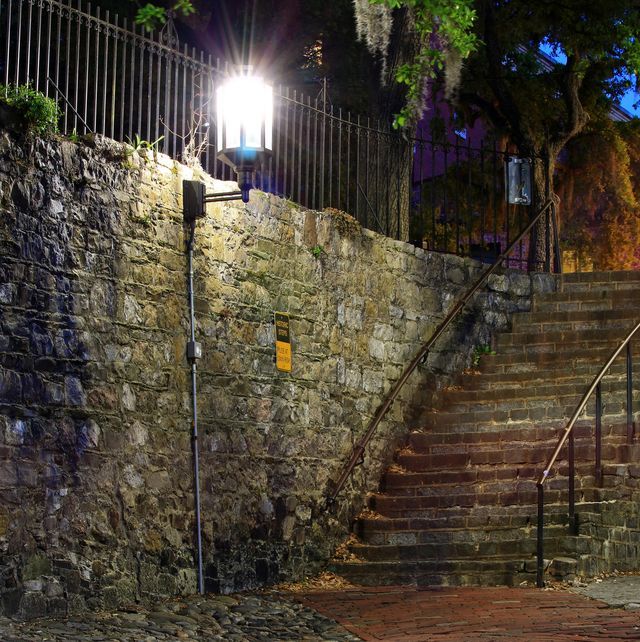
{"type": "Point", "coordinates": [244, 139]}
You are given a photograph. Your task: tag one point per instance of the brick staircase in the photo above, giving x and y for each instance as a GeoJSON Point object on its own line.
{"type": "Point", "coordinates": [458, 505]}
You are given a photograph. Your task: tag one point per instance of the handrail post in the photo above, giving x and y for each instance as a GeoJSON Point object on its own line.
{"type": "Point", "coordinates": [540, 536]}
{"type": "Point", "coordinates": [547, 226]}
{"type": "Point", "coordinates": [598, 435]}
{"type": "Point", "coordinates": [629, 395]}
{"type": "Point", "coordinates": [547, 242]}
{"type": "Point", "coordinates": [556, 241]}
{"type": "Point", "coordinates": [572, 486]}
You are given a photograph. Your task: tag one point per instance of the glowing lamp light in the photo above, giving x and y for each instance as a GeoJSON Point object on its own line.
{"type": "Point", "coordinates": [244, 126]}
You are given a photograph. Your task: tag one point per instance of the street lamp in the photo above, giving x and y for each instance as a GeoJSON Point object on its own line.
{"type": "Point", "coordinates": [244, 139]}
{"type": "Point", "coordinates": [244, 114]}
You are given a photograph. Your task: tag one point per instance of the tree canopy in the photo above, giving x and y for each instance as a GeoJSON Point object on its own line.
{"type": "Point", "coordinates": [545, 104]}
{"type": "Point", "coordinates": [542, 104]}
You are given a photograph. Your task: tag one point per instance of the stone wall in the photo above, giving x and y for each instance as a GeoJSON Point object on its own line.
{"type": "Point", "coordinates": [96, 482]}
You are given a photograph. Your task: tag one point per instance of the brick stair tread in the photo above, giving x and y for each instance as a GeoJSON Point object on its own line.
{"type": "Point", "coordinates": [544, 390]}
{"type": "Point", "coordinates": [536, 409]}
{"type": "Point", "coordinates": [523, 339]}
{"type": "Point", "coordinates": [523, 495]}
{"type": "Point", "coordinates": [482, 380]}
{"type": "Point", "coordinates": [571, 353]}
{"type": "Point", "coordinates": [578, 321]}
{"type": "Point", "coordinates": [507, 366]}
{"type": "Point", "coordinates": [476, 486]}
{"type": "Point", "coordinates": [547, 328]}
{"type": "Point", "coordinates": [411, 481]}
{"type": "Point", "coordinates": [449, 519]}
{"type": "Point", "coordinates": [497, 571]}
{"type": "Point", "coordinates": [590, 316]}
{"type": "Point", "coordinates": [435, 525]}
{"type": "Point", "coordinates": [403, 506]}
{"type": "Point", "coordinates": [426, 564]}
{"type": "Point", "coordinates": [490, 442]}
{"type": "Point", "coordinates": [514, 418]}
{"type": "Point", "coordinates": [516, 547]}
{"type": "Point", "coordinates": [609, 278]}
{"type": "Point", "coordinates": [422, 441]}
{"type": "Point", "coordinates": [431, 462]}
{"type": "Point", "coordinates": [419, 483]}
{"type": "Point", "coordinates": [605, 295]}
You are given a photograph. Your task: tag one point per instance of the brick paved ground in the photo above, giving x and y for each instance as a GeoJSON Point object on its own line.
{"type": "Point", "coordinates": [467, 614]}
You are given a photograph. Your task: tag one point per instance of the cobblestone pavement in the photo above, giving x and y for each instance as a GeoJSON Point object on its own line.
{"type": "Point", "coordinates": [241, 618]}
{"type": "Point", "coordinates": [469, 614]}
{"type": "Point", "coordinates": [397, 614]}
{"type": "Point", "coordinates": [621, 590]}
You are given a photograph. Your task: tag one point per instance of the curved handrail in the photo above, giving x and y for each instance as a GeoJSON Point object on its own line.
{"type": "Point", "coordinates": [358, 451]}
{"type": "Point", "coordinates": [583, 402]}
{"type": "Point", "coordinates": [567, 433]}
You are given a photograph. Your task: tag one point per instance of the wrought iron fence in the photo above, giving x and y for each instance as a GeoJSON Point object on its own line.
{"type": "Point", "coordinates": [109, 77]}
{"type": "Point", "coordinates": [459, 203]}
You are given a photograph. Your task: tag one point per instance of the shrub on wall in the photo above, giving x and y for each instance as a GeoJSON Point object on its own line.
{"type": "Point", "coordinates": [39, 113]}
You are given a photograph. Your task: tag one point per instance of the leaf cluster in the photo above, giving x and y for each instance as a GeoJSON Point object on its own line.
{"type": "Point", "coordinates": [440, 27]}
{"type": "Point", "coordinates": [545, 101]}
{"type": "Point", "coordinates": [152, 16]}
{"type": "Point", "coordinates": [140, 144]}
{"type": "Point", "coordinates": [40, 114]}
{"type": "Point", "coordinates": [598, 181]}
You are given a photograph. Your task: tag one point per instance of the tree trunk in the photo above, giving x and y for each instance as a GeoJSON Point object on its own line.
{"type": "Point", "coordinates": [399, 182]}
{"type": "Point", "coordinates": [541, 246]}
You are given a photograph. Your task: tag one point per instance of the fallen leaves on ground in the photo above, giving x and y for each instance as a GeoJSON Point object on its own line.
{"type": "Point", "coordinates": [368, 514]}
{"type": "Point", "coordinates": [344, 553]}
{"type": "Point", "coordinates": [324, 582]}
{"type": "Point", "coordinates": [397, 468]}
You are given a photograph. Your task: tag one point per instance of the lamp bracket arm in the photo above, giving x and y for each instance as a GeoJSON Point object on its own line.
{"type": "Point", "coordinates": [217, 197]}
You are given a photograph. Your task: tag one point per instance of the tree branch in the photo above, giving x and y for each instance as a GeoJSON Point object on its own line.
{"type": "Point", "coordinates": [577, 117]}
{"type": "Point", "coordinates": [487, 108]}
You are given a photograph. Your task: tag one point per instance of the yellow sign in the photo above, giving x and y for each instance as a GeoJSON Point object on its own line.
{"type": "Point", "coordinates": [283, 342]}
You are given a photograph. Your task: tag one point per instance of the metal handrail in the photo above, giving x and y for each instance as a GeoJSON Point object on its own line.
{"type": "Point", "coordinates": [568, 434]}
{"type": "Point", "coordinates": [583, 403]}
{"type": "Point", "coordinates": [358, 452]}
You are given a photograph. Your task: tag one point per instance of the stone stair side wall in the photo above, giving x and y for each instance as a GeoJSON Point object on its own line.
{"type": "Point", "coordinates": [96, 482]}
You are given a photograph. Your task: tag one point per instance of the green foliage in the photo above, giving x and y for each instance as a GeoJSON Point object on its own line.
{"type": "Point", "coordinates": [542, 104]}
{"type": "Point", "coordinates": [41, 114]}
{"type": "Point", "coordinates": [184, 7]}
{"type": "Point", "coordinates": [598, 182]}
{"type": "Point", "coordinates": [479, 352]}
{"type": "Point", "coordinates": [139, 144]}
{"type": "Point", "coordinates": [317, 251]}
{"type": "Point", "coordinates": [152, 16]}
{"type": "Point", "coordinates": [444, 32]}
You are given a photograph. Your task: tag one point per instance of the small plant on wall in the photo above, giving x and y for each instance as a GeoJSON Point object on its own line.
{"type": "Point", "coordinates": [479, 352]}
{"type": "Point", "coordinates": [317, 251]}
{"type": "Point", "coordinates": [38, 113]}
